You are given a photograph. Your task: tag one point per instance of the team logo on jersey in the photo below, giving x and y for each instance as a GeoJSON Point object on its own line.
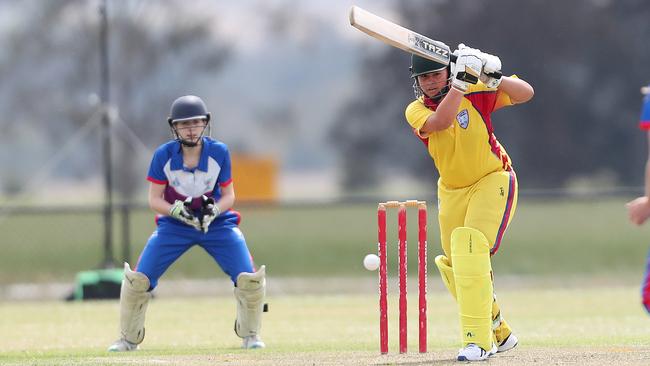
{"type": "Point", "coordinates": [463, 118]}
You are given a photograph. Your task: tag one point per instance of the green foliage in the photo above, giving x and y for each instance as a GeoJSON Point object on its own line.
{"type": "Point", "coordinates": [546, 237]}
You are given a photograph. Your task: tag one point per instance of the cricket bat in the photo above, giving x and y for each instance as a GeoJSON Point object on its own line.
{"type": "Point", "coordinates": [405, 39]}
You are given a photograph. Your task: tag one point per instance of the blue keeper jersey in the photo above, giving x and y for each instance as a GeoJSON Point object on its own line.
{"type": "Point", "coordinates": [212, 173]}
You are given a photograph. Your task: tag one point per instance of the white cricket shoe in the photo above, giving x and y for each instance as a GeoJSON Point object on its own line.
{"type": "Point", "coordinates": [252, 342]}
{"type": "Point", "coordinates": [509, 343]}
{"type": "Point", "coordinates": [122, 345]}
{"type": "Point", "coordinates": [473, 352]}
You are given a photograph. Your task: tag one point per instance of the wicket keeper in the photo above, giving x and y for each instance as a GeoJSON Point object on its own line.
{"type": "Point", "coordinates": [191, 190]}
{"type": "Point", "coordinates": [639, 208]}
{"type": "Point", "coordinates": [477, 189]}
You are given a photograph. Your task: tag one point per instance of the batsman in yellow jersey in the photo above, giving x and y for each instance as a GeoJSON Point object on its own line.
{"type": "Point", "coordinates": [477, 189]}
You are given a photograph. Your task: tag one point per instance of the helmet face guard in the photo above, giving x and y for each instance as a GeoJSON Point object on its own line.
{"type": "Point", "coordinates": [188, 108]}
{"type": "Point", "coordinates": [421, 66]}
{"type": "Point", "coordinates": [190, 143]}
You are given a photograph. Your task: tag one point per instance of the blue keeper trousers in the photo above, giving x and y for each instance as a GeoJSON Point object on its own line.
{"type": "Point", "coordinates": [223, 241]}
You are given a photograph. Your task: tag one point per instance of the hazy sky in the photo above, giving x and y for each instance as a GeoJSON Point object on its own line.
{"type": "Point", "coordinates": [305, 68]}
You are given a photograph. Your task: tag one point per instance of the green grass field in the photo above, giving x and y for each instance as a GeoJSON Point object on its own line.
{"type": "Point", "coordinates": [567, 276]}
{"type": "Point", "coordinates": [546, 237]}
{"type": "Point", "coordinates": [588, 325]}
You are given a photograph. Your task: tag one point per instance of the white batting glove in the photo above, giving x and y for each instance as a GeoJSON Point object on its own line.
{"type": "Point", "coordinates": [490, 62]}
{"type": "Point", "coordinates": [180, 211]}
{"type": "Point", "coordinates": [469, 50]}
{"type": "Point", "coordinates": [491, 65]}
{"type": "Point", "coordinates": [466, 70]}
{"type": "Point", "coordinates": [210, 212]}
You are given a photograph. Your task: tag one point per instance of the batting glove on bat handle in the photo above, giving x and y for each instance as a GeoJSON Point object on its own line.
{"type": "Point", "coordinates": [467, 70]}
{"type": "Point", "coordinates": [496, 74]}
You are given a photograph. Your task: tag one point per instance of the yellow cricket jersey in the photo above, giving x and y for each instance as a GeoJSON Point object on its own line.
{"type": "Point", "coordinates": [467, 150]}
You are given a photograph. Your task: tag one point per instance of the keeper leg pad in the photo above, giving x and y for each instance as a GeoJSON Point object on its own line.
{"type": "Point", "coordinates": [249, 293]}
{"type": "Point", "coordinates": [447, 274]}
{"type": "Point", "coordinates": [473, 275]}
{"type": "Point", "coordinates": [134, 299]}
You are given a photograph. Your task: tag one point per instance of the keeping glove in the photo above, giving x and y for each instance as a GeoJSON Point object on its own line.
{"type": "Point", "coordinates": [181, 211]}
{"type": "Point", "coordinates": [466, 70]}
{"type": "Point", "coordinates": [210, 211]}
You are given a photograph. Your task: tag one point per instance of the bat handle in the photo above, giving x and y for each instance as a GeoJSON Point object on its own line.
{"type": "Point", "coordinates": [496, 75]}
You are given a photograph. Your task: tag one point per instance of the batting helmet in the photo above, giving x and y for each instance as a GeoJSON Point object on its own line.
{"type": "Point", "coordinates": [188, 107]}
{"type": "Point", "coordinates": [421, 65]}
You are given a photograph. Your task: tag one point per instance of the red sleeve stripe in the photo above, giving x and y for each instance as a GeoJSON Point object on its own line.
{"type": "Point", "coordinates": [153, 180]}
{"type": "Point", "coordinates": [644, 125]}
{"type": "Point", "coordinates": [425, 140]}
{"type": "Point", "coordinates": [226, 183]}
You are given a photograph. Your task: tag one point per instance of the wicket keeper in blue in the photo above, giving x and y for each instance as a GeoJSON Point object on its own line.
{"type": "Point", "coordinates": [191, 190]}
{"type": "Point", "coordinates": [639, 209]}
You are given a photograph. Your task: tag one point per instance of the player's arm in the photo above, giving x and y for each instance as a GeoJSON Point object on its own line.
{"type": "Point", "coordinates": [466, 64]}
{"type": "Point", "coordinates": [518, 90]}
{"type": "Point", "coordinates": [444, 115]}
{"type": "Point", "coordinates": [647, 171]}
{"type": "Point", "coordinates": [227, 199]}
{"type": "Point", "coordinates": [639, 209]}
{"type": "Point", "coordinates": [156, 199]}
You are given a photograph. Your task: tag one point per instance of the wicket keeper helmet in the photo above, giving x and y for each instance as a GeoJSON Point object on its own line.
{"type": "Point", "coordinates": [187, 108]}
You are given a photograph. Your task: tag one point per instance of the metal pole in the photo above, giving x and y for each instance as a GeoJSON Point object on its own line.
{"type": "Point", "coordinates": [106, 132]}
{"type": "Point", "coordinates": [126, 233]}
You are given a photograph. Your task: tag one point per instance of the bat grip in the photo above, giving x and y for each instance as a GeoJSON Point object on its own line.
{"type": "Point", "coordinates": [496, 75]}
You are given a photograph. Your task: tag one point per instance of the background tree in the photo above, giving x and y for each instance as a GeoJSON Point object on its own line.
{"type": "Point", "coordinates": [50, 70]}
{"type": "Point", "coordinates": [586, 60]}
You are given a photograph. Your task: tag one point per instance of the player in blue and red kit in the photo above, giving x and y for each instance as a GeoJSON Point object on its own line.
{"type": "Point", "coordinates": [192, 192]}
{"type": "Point", "coordinates": [639, 208]}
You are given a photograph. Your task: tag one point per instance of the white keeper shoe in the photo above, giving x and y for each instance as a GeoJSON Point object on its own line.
{"type": "Point", "coordinates": [472, 352]}
{"type": "Point", "coordinates": [252, 342]}
{"type": "Point", "coordinates": [122, 345]}
{"type": "Point", "coordinates": [509, 343]}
